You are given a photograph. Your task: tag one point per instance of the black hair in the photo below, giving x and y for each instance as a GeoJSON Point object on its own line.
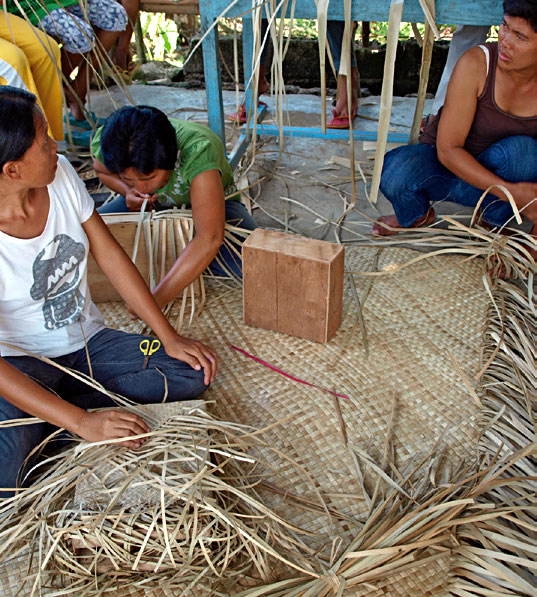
{"type": "Point", "coordinates": [18, 109]}
{"type": "Point", "coordinates": [139, 137]}
{"type": "Point", "coordinates": [524, 9]}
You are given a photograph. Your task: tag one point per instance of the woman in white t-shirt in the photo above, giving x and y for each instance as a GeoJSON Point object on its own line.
{"type": "Point", "coordinates": [47, 226]}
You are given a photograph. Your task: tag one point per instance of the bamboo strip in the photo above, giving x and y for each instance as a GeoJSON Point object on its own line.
{"type": "Point", "coordinates": [396, 13]}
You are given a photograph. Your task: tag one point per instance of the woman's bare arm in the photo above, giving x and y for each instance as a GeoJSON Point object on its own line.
{"type": "Point", "coordinates": [126, 279]}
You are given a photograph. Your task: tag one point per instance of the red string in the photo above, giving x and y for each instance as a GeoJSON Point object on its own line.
{"type": "Point", "coordinates": [287, 374]}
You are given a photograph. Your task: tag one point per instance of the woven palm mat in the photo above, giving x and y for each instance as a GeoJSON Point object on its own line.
{"type": "Point", "coordinates": [418, 322]}
{"type": "Point", "coordinates": [424, 326]}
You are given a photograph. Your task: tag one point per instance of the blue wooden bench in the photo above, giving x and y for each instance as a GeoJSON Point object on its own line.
{"type": "Point", "coordinates": [461, 12]}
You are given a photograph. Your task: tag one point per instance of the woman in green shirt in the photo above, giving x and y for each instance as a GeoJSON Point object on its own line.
{"type": "Point", "coordinates": [144, 156]}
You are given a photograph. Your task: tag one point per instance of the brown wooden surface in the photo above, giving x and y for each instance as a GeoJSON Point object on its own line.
{"type": "Point", "coordinates": [170, 247]}
{"type": "Point", "coordinates": [293, 285]}
{"type": "Point", "coordinates": [100, 286]}
{"type": "Point", "coordinates": [182, 7]}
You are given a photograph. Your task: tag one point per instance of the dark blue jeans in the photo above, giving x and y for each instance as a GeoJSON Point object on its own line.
{"type": "Point", "coordinates": [116, 363]}
{"type": "Point", "coordinates": [413, 178]}
{"type": "Point", "coordinates": [236, 214]}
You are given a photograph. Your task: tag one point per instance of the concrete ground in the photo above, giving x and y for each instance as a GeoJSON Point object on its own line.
{"type": "Point", "coordinates": [300, 189]}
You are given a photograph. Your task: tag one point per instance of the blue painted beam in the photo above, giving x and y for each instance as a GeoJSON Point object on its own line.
{"type": "Point", "coordinates": [316, 133]}
{"type": "Point", "coordinates": [244, 139]}
{"type": "Point", "coordinates": [213, 79]}
{"type": "Point", "coordinates": [467, 12]}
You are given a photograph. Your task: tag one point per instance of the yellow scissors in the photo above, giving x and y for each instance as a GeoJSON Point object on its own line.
{"type": "Point", "coordinates": [148, 348]}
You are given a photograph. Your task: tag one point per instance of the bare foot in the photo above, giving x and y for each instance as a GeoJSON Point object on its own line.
{"type": "Point", "coordinates": [74, 105]}
{"type": "Point", "coordinates": [389, 225]}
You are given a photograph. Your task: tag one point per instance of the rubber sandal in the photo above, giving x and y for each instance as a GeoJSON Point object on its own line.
{"type": "Point", "coordinates": [85, 124]}
{"type": "Point", "coordinates": [128, 74]}
{"type": "Point", "coordinates": [81, 138]}
{"type": "Point", "coordinates": [240, 116]}
{"type": "Point", "coordinates": [339, 122]}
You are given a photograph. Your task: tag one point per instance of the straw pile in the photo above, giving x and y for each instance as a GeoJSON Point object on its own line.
{"type": "Point", "coordinates": [180, 513]}
{"type": "Point", "coordinates": [154, 240]}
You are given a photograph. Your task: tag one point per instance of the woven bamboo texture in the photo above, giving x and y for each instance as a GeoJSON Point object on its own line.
{"type": "Point", "coordinates": [415, 321]}
{"type": "Point", "coordinates": [419, 322]}
{"type": "Point", "coordinates": [409, 380]}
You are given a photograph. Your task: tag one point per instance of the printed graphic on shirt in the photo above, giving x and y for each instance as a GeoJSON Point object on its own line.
{"type": "Point", "coordinates": [56, 280]}
{"type": "Point", "coordinates": [178, 193]}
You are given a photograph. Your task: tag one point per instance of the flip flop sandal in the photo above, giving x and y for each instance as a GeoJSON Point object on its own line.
{"type": "Point", "coordinates": [339, 122]}
{"type": "Point", "coordinates": [84, 124]}
{"type": "Point", "coordinates": [127, 74]}
{"type": "Point", "coordinates": [80, 138]}
{"type": "Point", "coordinates": [240, 116]}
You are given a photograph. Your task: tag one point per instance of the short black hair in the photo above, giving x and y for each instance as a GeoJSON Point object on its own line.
{"type": "Point", "coordinates": [524, 9]}
{"type": "Point", "coordinates": [139, 137]}
{"type": "Point", "coordinates": [18, 109]}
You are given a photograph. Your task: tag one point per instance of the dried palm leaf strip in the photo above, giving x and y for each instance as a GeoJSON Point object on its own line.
{"type": "Point", "coordinates": [386, 98]}
{"type": "Point", "coordinates": [426, 56]}
{"type": "Point", "coordinates": [183, 505]}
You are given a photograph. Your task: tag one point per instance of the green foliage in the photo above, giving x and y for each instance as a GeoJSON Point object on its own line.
{"type": "Point", "coordinates": [160, 36]}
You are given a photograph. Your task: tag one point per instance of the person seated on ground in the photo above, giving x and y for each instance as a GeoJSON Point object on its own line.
{"type": "Point", "coordinates": [146, 157]}
{"type": "Point", "coordinates": [340, 114]}
{"type": "Point", "coordinates": [48, 223]}
{"type": "Point", "coordinates": [30, 59]}
{"type": "Point", "coordinates": [486, 135]}
{"type": "Point", "coordinates": [68, 24]}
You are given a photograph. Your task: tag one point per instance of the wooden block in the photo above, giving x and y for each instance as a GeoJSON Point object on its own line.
{"type": "Point", "coordinates": [293, 284]}
{"type": "Point", "coordinates": [173, 235]}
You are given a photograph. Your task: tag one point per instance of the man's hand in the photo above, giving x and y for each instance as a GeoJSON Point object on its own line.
{"type": "Point", "coordinates": [135, 200]}
{"type": "Point", "coordinates": [195, 353]}
{"type": "Point", "coordinates": [112, 424]}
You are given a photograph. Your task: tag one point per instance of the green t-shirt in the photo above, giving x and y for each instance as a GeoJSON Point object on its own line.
{"type": "Point", "coordinates": [199, 150]}
{"type": "Point", "coordinates": [35, 10]}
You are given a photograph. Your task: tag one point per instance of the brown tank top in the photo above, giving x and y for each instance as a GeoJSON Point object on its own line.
{"type": "Point", "coordinates": [490, 123]}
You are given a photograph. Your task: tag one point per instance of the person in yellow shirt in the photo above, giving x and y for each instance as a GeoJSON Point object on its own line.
{"type": "Point", "coordinates": [30, 60]}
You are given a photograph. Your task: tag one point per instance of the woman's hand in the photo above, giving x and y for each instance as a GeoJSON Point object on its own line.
{"type": "Point", "coordinates": [135, 200]}
{"type": "Point", "coordinates": [523, 194]}
{"type": "Point", "coordinates": [112, 424]}
{"type": "Point", "coordinates": [195, 353]}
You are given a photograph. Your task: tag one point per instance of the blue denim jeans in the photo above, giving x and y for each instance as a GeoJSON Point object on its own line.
{"type": "Point", "coordinates": [413, 178]}
{"type": "Point", "coordinates": [236, 215]}
{"type": "Point", "coordinates": [116, 362]}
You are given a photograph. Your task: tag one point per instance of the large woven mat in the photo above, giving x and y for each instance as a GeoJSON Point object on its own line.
{"type": "Point", "coordinates": [424, 326]}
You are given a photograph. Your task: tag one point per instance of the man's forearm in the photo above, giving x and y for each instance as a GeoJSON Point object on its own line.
{"type": "Point", "coordinates": [192, 262]}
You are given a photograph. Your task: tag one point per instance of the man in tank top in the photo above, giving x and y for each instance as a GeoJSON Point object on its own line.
{"type": "Point", "coordinates": [485, 135]}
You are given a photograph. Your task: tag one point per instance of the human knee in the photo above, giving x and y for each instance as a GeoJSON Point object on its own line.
{"type": "Point", "coordinates": [13, 56]}
{"type": "Point", "coordinates": [512, 158]}
{"type": "Point", "coordinates": [183, 386]}
{"type": "Point", "coordinates": [397, 164]}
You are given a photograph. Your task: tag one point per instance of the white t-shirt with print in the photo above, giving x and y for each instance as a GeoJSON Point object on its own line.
{"type": "Point", "coordinates": [45, 302]}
